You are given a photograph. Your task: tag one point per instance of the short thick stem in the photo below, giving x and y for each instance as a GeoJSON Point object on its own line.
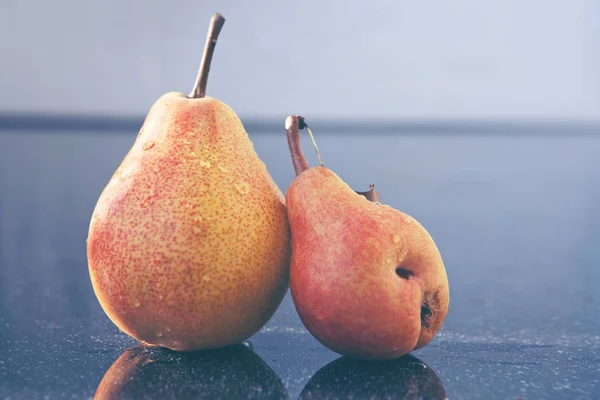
{"type": "Point", "coordinates": [214, 29]}
{"type": "Point", "coordinates": [371, 194]}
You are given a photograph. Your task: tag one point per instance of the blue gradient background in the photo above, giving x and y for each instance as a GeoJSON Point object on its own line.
{"type": "Point", "coordinates": [532, 59]}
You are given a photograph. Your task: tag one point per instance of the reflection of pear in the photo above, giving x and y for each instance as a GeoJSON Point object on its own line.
{"type": "Point", "coordinates": [234, 372]}
{"type": "Point", "coordinates": [404, 378]}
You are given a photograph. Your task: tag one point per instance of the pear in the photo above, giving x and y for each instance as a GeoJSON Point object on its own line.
{"type": "Point", "coordinates": [189, 244]}
{"type": "Point", "coordinates": [367, 280]}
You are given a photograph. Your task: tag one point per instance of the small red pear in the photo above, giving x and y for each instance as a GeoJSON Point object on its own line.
{"type": "Point", "coordinates": [367, 280]}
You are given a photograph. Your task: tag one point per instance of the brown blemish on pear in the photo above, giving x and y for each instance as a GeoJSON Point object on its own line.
{"type": "Point", "coordinates": [178, 255]}
{"type": "Point", "coordinates": [348, 292]}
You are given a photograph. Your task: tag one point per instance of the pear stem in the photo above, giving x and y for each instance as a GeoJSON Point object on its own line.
{"type": "Point", "coordinates": [293, 125]}
{"type": "Point", "coordinates": [216, 23]}
{"type": "Point", "coordinates": [292, 130]}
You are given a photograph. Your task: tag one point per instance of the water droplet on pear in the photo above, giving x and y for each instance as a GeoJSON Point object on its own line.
{"type": "Point", "coordinates": [407, 219]}
{"type": "Point", "coordinates": [242, 187]}
{"type": "Point", "coordinates": [402, 254]}
{"type": "Point", "coordinates": [149, 145]}
{"type": "Point", "coordinates": [205, 164]}
{"type": "Point", "coordinates": [222, 168]}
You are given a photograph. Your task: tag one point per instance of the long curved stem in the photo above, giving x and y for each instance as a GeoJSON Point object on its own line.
{"type": "Point", "coordinates": [216, 23]}
{"type": "Point", "coordinates": [292, 130]}
{"type": "Point", "coordinates": [293, 125]}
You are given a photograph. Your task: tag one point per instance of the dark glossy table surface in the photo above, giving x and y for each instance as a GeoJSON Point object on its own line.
{"type": "Point", "coordinates": [517, 220]}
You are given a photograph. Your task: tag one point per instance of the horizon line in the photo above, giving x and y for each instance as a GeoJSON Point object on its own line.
{"type": "Point", "coordinates": [122, 124]}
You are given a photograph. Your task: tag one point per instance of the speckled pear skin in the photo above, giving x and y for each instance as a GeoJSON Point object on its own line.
{"type": "Point", "coordinates": [343, 277]}
{"type": "Point", "coordinates": [189, 244]}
